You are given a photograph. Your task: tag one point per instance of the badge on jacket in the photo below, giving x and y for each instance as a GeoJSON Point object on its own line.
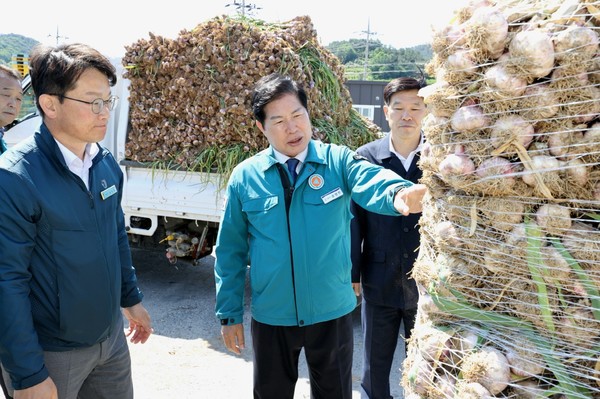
{"type": "Point", "coordinates": [316, 181]}
{"type": "Point", "coordinates": [333, 194]}
{"type": "Point", "coordinates": [112, 190]}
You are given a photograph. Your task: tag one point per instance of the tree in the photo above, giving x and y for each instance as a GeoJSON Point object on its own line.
{"type": "Point", "coordinates": [345, 51]}
{"type": "Point", "coordinates": [384, 62]}
{"type": "Point", "coordinates": [352, 50]}
{"type": "Point", "coordinates": [11, 44]}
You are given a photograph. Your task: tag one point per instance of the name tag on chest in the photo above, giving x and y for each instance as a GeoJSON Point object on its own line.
{"type": "Point", "coordinates": [330, 196]}
{"type": "Point", "coordinates": [112, 190]}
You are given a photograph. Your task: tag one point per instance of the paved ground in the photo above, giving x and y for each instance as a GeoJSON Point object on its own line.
{"type": "Point", "coordinates": [185, 358]}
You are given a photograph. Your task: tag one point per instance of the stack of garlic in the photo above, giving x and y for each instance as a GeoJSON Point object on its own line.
{"type": "Point", "coordinates": [509, 264]}
{"type": "Point", "coordinates": [190, 96]}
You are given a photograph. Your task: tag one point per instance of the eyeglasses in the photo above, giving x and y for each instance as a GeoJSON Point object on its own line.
{"type": "Point", "coordinates": [97, 105]}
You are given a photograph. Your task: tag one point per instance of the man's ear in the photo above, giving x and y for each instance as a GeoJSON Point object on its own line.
{"type": "Point", "coordinates": [385, 111]}
{"type": "Point", "coordinates": [48, 104]}
{"type": "Point", "coordinates": [260, 126]}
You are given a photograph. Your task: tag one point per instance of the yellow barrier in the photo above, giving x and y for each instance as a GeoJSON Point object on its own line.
{"type": "Point", "coordinates": [20, 62]}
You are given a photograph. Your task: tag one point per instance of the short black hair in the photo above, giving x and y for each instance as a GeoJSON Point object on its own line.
{"type": "Point", "coordinates": [56, 70]}
{"type": "Point", "coordinates": [401, 84]}
{"type": "Point", "coordinates": [272, 87]}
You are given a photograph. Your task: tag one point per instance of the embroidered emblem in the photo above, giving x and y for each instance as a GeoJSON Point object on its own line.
{"type": "Point", "coordinates": [316, 181]}
{"type": "Point", "coordinates": [103, 183]}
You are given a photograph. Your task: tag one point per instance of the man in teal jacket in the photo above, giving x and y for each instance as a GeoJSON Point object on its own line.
{"type": "Point", "coordinates": [65, 264]}
{"type": "Point", "coordinates": [291, 219]}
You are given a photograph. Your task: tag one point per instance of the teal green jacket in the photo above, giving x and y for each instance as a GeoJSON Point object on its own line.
{"type": "Point", "coordinates": [3, 148]}
{"type": "Point", "coordinates": [299, 275]}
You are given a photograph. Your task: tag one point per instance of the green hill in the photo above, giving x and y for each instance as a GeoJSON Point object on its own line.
{"type": "Point", "coordinates": [384, 62]}
{"type": "Point", "coordinates": [11, 44]}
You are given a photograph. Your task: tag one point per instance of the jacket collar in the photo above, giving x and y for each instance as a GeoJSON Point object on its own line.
{"type": "Point", "coordinates": [383, 149]}
{"type": "Point", "coordinates": [266, 158]}
{"type": "Point", "coordinates": [48, 146]}
{"type": "Point", "coordinates": [383, 153]}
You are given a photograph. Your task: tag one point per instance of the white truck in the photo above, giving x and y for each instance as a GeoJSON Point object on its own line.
{"type": "Point", "coordinates": [178, 210]}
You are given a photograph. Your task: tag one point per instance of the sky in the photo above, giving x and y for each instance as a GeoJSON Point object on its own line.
{"type": "Point", "coordinates": [110, 25]}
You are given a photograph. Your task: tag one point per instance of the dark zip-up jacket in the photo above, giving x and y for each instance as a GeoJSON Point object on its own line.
{"type": "Point", "coordinates": [384, 248]}
{"type": "Point", "coordinates": [65, 264]}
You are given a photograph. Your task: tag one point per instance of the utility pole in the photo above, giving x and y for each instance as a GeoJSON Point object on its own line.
{"type": "Point", "coordinates": [241, 7]}
{"type": "Point", "coordinates": [369, 33]}
{"type": "Point", "coordinates": [58, 36]}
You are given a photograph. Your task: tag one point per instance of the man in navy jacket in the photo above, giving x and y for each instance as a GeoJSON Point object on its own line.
{"type": "Point", "coordinates": [384, 248]}
{"type": "Point", "coordinates": [65, 271]}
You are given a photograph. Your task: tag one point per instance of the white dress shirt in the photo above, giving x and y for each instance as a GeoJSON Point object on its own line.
{"type": "Point", "coordinates": [76, 165]}
{"type": "Point", "coordinates": [406, 162]}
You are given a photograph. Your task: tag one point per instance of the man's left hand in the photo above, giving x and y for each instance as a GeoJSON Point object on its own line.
{"type": "Point", "coordinates": [140, 324]}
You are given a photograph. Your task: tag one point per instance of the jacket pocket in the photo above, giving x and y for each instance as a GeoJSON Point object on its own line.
{"type": "Point", "coordinates": [261, 212]}
{"type": "Point", "coordinates": [86, 286]}
{"type": "Point", "coordinates": [374, 275]}
{"type": "Point", "coordinates": [262, 204]}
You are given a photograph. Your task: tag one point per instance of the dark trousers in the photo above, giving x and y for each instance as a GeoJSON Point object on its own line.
{"type": "Point", "coordinates": [381, 329]}
{"type": "Point", "coordinates": [328, 348]}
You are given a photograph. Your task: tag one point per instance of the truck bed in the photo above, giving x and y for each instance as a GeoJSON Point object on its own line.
{"type": "Point", "coordinates": [170, 193]}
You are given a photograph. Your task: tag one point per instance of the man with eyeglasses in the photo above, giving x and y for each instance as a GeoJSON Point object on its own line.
{"type": "Point", "coordinates": [66, 275]}
{"type": "Point", "coordinates": [97, 105]}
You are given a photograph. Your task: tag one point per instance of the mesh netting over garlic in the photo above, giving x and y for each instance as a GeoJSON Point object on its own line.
{"type": "Point", "coordinates": [509, 263]}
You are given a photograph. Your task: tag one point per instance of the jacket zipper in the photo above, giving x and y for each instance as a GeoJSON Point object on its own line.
{"type": "Point", "coordinates": [288, 191]}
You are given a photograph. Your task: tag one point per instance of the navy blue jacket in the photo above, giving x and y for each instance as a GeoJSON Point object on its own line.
{"type": "Point", "coordinates": [384, 248]}
{"type": "Point", "coordinates": [65, 268]}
